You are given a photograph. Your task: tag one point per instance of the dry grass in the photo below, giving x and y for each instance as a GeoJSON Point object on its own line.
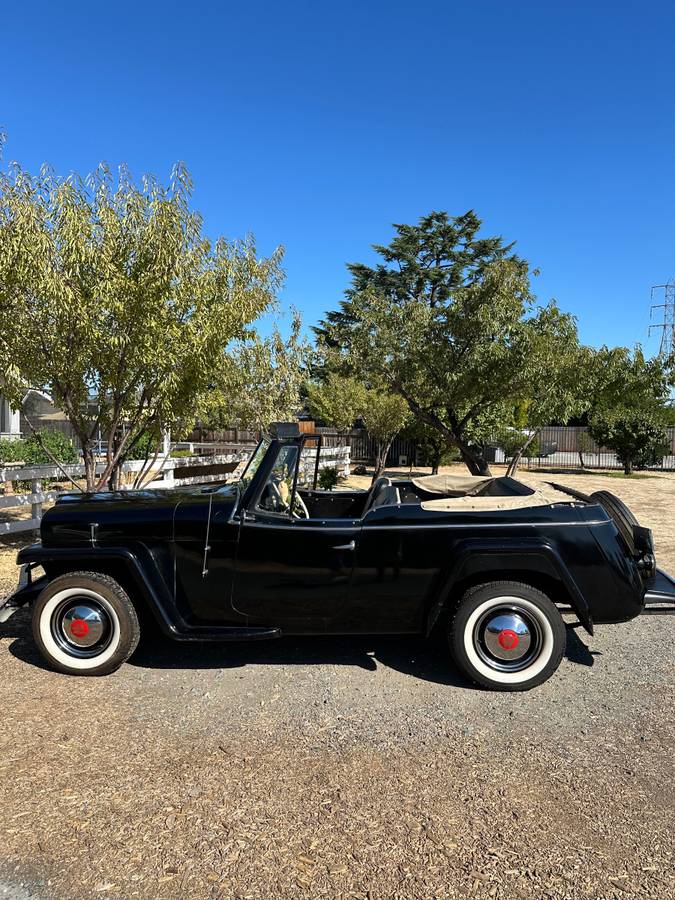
{"type": "Point", "coordinates": [361, 768]}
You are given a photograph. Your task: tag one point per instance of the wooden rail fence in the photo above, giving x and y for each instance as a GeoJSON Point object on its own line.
{"type": "Point", "coordinates": [199, 467]}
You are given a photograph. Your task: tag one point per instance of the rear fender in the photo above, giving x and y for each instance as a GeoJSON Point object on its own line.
{"type": "Point", "coordinates": [491, 560]}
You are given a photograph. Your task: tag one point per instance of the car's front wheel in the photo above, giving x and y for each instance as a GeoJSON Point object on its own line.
{"type": "Point", "coordinates": [85, 624]}
{"type": "Point", "coordinates": [507, 636]}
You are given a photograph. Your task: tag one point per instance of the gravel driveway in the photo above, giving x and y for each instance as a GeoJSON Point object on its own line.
{"type": "Point", "coordinates": [343, 767]}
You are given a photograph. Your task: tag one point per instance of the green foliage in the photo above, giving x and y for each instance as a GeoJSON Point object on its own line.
{"type": "Point", "coordinates": [384, 414]}
{"type": "Point", "coordinates": [11, 451]}
{"type": "Point", "coordinates": [638, 438]}
{"type": "Point", "coordinates": [32, 453]}
{"type": "Point", "coordinates": [47, 445]}
{"type": "Point", "coordinates": [112, 298]}
{"type": "Point", "coordinates": [337, 401]}
{"type": "Point", "coordinates": [630, 409]}
{"type": "Point", "coordinates": [144, 445]}
{"type": "Point", "coordinates": [329, 478]}
{"type": "Point", "coordinates": [181, 454]}
{"type": "Point", "coordinates": [512, 441]}
{"type": "Point", "coordinates": [448, 321]}
{"type": "Point", "coordinates": [259, 382]}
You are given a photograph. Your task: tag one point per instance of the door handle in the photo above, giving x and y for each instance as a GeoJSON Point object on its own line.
{"type": "Point", "coordinates": [350, 546]}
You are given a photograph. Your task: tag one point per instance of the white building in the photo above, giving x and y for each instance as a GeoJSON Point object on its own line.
{"type": "Point", "coordinates": [10, 420]}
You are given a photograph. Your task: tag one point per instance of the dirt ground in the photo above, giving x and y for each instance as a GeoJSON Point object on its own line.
{"type": "Point", "coordinates": [362, 768]}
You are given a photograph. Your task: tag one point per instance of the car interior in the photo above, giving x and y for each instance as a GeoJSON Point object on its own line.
{"type": "Point", "coordinates": [433, 493]}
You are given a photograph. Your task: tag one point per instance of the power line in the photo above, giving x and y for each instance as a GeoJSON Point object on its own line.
{"type": "Point", "coordinates": [668, 325]}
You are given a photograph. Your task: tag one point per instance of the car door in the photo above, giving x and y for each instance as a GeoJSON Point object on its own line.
{"type": "Point", "coordinates": [290, 571]}
{"type": "Point", "coordinates": [293, 573]}
{"type": "Point", "coordinates": [396, 569]}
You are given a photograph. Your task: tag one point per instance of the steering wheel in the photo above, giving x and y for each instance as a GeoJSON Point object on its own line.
{"type": "Point", "coordinates": [299, 502]}
{"type": "Point", "coordinates": [281, 503]}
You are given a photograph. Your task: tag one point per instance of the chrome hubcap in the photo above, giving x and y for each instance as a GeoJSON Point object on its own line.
{"type": "Point", "coordinates": [507, 638]}
{"type": "Point", "coordinates": [81, 627]}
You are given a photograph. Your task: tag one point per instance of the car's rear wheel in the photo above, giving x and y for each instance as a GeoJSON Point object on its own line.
{"type": "Point", "coordinates": [85, 624]}
{"type": "Point", "coordinates": [507, 636]}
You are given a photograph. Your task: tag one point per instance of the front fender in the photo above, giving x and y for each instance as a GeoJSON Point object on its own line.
{"type": "Point", "coordinates": [143, 573]}
{"type": "Point", "coordinates": [496, 558]}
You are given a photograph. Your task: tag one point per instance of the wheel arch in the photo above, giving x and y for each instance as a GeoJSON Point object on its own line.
{"type": "Point", "coordinates": [140, 578]}
{"type": "Point", "coordinates": [535, 563]}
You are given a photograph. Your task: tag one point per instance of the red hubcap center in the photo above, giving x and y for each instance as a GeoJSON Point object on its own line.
{"type": "Point", "coordinates": [508, 639]}
{"type": "Point", "coordinates": [79, 628]}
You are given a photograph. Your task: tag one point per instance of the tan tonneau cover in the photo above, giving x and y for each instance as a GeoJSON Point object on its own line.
{"type": "Point", "coordinates": [458, 493]}
{"type": "Point", "coordinates": [459, 485]}
{"type": "Point", "coordinates": [484, 504]}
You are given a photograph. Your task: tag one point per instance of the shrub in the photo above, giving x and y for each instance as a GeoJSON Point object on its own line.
{"type": "Point", "coordinates": [12, 451]}
{"type": "Point", "coordinates": [59, 445]}
{"type": "Point", "coordinates": [30, 452]}
{"type": "Point", "coordinates": [329, 478]}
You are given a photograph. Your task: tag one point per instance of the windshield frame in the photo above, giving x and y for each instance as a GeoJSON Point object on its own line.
{"type": "Point", "coordinates": [254, 462]}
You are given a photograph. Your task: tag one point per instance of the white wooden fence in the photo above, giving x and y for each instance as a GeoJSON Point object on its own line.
{"type": "Point", "coordinates": [338, 457]}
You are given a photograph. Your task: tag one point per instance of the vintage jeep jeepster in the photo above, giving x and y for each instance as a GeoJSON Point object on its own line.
{"type": "Point", "coordinates": [491, 560]}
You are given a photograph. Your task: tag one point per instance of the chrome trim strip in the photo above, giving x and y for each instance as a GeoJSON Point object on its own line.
{"type": "Point", "coordinates": [463, 525]}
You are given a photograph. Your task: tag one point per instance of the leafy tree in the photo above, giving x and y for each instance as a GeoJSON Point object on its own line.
{"type": "Point", "coordinates": [448, 321]}
{"type": "Point", "coordinates": [432, 445]}
{"type": "Point", "coordinates": [384, 415]}
{"type": "Point", "coordinates": [260, 382]}
{"type": "Point", "coordinates": [113, 299]}
{"type": "Point", "coordinates": [637, 437]}
{"type": "Point", "coordinates": [337, 401]}
{"type": "Point", "coordinates": [629, 412]}
{"type": "Point", "coordinates": [552, 388]}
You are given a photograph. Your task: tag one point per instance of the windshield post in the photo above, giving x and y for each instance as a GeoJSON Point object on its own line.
{"type": "Point", "coordinates": [316, 461]}
{"type": "Point", "coordinates": [301, 447]}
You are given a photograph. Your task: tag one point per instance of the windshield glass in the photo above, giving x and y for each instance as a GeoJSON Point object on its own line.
{"type": "Point", "coordinates": [254, 462]}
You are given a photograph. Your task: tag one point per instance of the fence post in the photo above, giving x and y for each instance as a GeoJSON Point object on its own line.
{"type": "Point", "coordinates": [36, 508]}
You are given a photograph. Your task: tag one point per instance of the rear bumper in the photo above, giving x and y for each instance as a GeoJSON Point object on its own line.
{"type": "Point", "coordinates": [27, 590]}
{"type": "Point", "coordinates": [659, 597]}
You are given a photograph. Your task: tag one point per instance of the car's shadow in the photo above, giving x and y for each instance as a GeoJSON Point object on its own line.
{"type": "Point", "coordinates": [427, 659]}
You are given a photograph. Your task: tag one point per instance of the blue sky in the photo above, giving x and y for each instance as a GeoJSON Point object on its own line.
{"type": "Point", "coordinates": [316, 125]}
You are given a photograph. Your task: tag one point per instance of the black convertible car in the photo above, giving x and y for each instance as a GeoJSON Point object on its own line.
{"type": "Point", "coordinates": [490, 559]}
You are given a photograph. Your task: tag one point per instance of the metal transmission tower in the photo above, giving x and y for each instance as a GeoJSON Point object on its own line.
{"type": "Point", "coordinates": [668, 325]}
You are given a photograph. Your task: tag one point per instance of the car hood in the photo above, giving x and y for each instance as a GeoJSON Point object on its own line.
{"type": "Point", "coordinates": [127, 516]}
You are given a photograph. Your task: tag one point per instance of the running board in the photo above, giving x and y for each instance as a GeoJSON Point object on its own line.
{"type": "Point", "coordinates": [225, 633]}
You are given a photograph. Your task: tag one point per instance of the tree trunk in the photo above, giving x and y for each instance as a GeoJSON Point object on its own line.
{"type": "Point", "coordinates": [381, 459]}
{"type": "Point", "coordinates": [581, 459]}
{"type": "Point", "coordinates": [515, 462]}
{"type": "Point", "coordinates": [474, 463]}
{"type": "Point", "coordinates": [89, 465]}
{"type": "Point", "coordinates": [436, 461]}
{"type": "Point", "coordinates": [628, 465]}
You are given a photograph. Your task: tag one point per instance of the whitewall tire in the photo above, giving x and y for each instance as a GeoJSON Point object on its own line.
{"type": "Point", "coordinates": [85, 624]}
{"type": "Point", "coordinates": [507, 636]}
